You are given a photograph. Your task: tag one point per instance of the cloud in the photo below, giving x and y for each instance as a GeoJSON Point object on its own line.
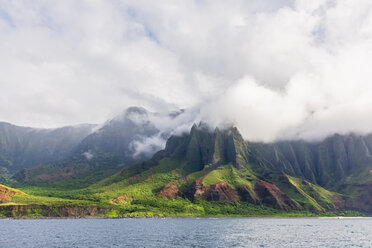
{"type": "Point", "coordinates": [88, 155]}
{"type": "Point", "coordinates": [276, 69]}
{"type": "Point", "coordinates": [147, 145]}
{"type": "Point", "coordinates": [167, 124]}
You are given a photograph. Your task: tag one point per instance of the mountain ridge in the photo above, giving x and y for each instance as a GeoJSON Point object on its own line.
{"type": "Point", "coordinates": [23, 147]}
{"type": "Point", "coordinates": [240, 170]}
{"type": "Point", "coordinates": [103, 152]}
{"type": "Point", "coordinates": [206, 169]}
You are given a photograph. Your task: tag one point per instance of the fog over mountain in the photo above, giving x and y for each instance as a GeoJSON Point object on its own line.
{"type": "Point", "coordinates": [275, 69]}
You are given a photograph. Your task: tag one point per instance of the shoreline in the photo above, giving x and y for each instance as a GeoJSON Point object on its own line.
{"type": "Point", "coordinates": [102, 212]}
{"type": "Point", "coordinates": [186, 217]}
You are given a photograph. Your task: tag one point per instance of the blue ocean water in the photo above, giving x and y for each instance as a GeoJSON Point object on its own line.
{"type": "Point", "coordinates": [187, 232]}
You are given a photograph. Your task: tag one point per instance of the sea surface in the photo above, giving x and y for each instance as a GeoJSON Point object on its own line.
{"type": "Point", "coordinates": [188, 232]}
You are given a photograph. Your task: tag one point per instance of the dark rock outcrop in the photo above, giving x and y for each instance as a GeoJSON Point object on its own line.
{"type": "Point", "coordinates": [20, 211]}
{"type": "Point", "coordinates": [271, 195]}
{"type": "Point", "coordinates": [246, 194]}
{"type": "Point", "coordinates": [219, 192]}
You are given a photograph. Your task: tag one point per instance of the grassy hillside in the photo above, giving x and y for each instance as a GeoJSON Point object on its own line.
{"type": "Point", "coordinates": [162, 190]}
{"type": "Point", "coordinates": [211, 174]}
{"type": "Point", "coordinates": [18, 197]}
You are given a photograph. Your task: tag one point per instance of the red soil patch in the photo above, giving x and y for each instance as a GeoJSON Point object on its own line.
{"type": "Point", "coordinates": [148, 178]}
{"type": "Point", "coordinates": [9, 192]}
{"type": "Point", "coordinates": [4, 198]}
{"type": "Point", "coordinates": [134, 178]}
{"type": "Point", "coordinates": [122, 199]}
{"type": "Point", "coordinates": [338, 201]}
{"type": "Point", "coordinates": [217, 192]}
{"type": "Point", "coordinates": [220, 192]}
{"type": "Point", "coordinates": [170, 191]}
{"type": "Point", "coordinates": [3, 189]}
{"type": "Point", "coordinates": [198, 187]}
{"type": "Point", "coordinates": [270, 194]}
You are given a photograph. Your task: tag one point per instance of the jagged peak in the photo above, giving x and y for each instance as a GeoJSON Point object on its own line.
{"type": "Point", "coordinates": [134, 114]}
{"type": "Point", "coordinates": [203, 126]}
{"type": "Point", "coordinates": [135, 109]}
{"type": "Point", "coordinates": [204, 146]}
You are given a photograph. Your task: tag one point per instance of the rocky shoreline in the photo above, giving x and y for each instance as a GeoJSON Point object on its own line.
{"type": "Point", "coordinates": [31, 211]}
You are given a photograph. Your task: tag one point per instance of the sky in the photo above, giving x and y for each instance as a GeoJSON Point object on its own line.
{"type": "Point", "coordinates": [277, 69]}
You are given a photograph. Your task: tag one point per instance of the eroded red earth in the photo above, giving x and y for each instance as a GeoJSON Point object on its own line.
{"type": "Point", "coordinates": [5, 194]}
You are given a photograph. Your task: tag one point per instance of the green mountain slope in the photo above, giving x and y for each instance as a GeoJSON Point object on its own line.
{"type": "Point", "coordinates": [218, 173]}
{"type": "Point", "coordinates": [210, 168]}
{"type": "Point", "coordinates": [220, 166]}
{"type": "Point", "coordinates": [16, 203]}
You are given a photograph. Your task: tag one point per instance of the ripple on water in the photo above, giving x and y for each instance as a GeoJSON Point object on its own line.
{"type": "Point", "coordinates": [202, 232]}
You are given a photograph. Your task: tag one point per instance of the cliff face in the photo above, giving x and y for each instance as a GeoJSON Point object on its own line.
{"type": "Point", "coordinates": [333, 174]}
{"type": "Point", "coordinates": [327, 163]}
{"type": "Point", "coordinates": [203, 147]}
{"type": "Point", "coordinates": [263, 193]}
{"type": "Point", "coordinates": [20, 211]}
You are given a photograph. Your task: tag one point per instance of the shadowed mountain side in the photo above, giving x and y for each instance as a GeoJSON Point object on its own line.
{"type": "Point", "coordinates": [24, 147]}
{"type": "Point", "coordinates": [203, 147]}
{"type": "Point", "coordinates": [330, 163]}
{"type": "Point", "coordinates": [101, 153]}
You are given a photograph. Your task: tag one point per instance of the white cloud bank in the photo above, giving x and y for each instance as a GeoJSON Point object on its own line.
{"type": "Point", "coordinates": [276, 69]}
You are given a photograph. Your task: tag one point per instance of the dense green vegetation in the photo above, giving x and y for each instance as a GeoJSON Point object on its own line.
{"type": "Point", "coordinates": [158, 206]}
{"type": "Point", "coordinates": [140, 187]}
{"type": "Point", "coordinates": [201, 174]}
{"type": "Point", "coordinates": [48, 199]}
